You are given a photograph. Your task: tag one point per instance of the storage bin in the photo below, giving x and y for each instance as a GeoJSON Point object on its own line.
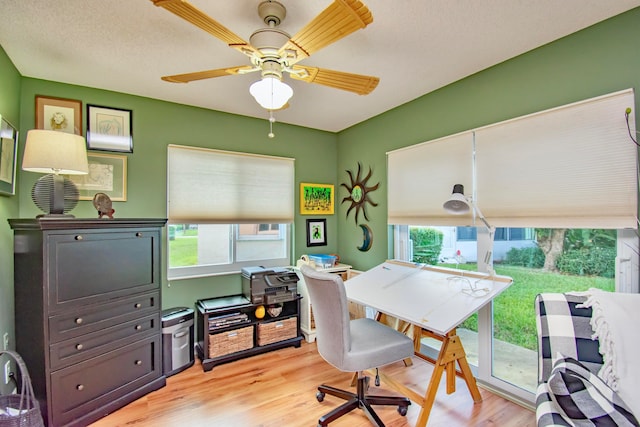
{"type": "Point", "coordinates": [323, 261]}
{"type": "Point", "coordinates": [229, 342]}
{"type": "Point", "coordinates": [280, 330]}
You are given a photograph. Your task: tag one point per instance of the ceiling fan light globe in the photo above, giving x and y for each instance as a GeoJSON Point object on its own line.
{"type": "Point", "coordinates": [271, 93]}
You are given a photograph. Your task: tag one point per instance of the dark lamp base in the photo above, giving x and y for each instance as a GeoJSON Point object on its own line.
{"type": "Point", "coordinates": [55, 195]}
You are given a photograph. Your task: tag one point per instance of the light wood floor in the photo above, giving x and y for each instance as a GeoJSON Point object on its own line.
{"type": "Point", "coordinates": [277, 389]}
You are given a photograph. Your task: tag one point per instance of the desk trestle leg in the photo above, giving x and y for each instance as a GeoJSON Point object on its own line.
{"type": "Point", "coordinates": [450, 353]}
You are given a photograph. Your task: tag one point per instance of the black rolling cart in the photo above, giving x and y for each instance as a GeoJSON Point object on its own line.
{"type": "Point", "coordinates": [228, 329]}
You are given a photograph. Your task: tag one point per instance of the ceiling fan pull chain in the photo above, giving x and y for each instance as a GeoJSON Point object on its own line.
{"type": "Point", "coordinates": [271, 122]}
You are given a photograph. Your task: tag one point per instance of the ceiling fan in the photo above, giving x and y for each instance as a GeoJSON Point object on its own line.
{"type": "Point", "coordinates": [273, 52]}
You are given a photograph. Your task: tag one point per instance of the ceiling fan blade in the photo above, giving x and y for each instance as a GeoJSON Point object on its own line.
{"type": "Point", "coordinates": [195, 16]}
{"type": "Point", "coordinates": [340, 19]}
{"type": "Point", "coordinates": [357, 83]}
{"type": "Point", "coordinates": [208, 74]}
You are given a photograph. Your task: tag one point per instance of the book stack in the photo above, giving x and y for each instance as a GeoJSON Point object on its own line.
{"type": "Point", "coordinates": [226, 320]}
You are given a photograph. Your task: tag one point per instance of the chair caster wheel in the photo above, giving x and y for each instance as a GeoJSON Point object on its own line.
{"type": "Point", "coordinates": [402, 410]}
{"type": "Point", "coordinates": [320, 396]}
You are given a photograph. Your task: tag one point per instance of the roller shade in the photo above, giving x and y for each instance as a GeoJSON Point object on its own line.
{"type": "Point", "coordinates": [420, 175]}
{"type": "Point", "coordinates": [213, 186]}
{"type": "Point", "coordinates": [569, 167]}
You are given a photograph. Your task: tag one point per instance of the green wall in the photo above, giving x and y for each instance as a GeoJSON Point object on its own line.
{"type": "Point", "coordinates": [10, 110]}
{"type": "Point", "coordinates": [598, 60]}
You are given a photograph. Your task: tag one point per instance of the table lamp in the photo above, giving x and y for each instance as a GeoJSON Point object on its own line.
{"type": "Point", "coordinates": [55, 153]}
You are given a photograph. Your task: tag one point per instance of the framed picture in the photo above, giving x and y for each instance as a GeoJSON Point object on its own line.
{"type": "Point", "coordinates": [316, 199]}
{"type": "Point", "coordinates": [64, 115]}
{"type": "Point", "coordinates": [316, 232]}
{"type": "Point", "coordinates": [107, 174]}
{"type": "Point", "coordinates": [8, 152]}
{"type": "Point", "coordinates": [109, 129]}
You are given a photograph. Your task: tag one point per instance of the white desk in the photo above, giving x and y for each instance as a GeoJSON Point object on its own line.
{"type": "Point", "coordinates": [434, 301]}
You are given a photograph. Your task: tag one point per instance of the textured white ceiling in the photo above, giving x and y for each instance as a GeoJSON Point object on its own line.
{"type": "Point", "coordinates": [414, 46]}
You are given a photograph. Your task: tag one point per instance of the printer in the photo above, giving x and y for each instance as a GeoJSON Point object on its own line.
{"type": "Point", "coordinates": [269, 286]}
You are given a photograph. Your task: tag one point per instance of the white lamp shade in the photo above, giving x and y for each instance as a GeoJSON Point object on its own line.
{"type": "Point", "coordinates": [457, 203]}
{"type": "Point", "coordinates": [271, 93]}
{"type": "Point", "coordinates": [48, 151]}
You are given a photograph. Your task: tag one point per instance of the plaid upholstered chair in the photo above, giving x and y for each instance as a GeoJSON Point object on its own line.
{"type": "Point", "coordinates": [569, 391]}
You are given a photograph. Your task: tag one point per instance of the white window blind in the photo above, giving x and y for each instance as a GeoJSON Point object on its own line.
{"type": "Point", "coordinates": [422, 174]}
{"type": "Point", "coordinates": [569, 167]}
{"type": "Point", "coordinates": [213, 186]}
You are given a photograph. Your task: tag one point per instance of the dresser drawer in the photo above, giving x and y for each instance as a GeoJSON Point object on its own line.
{"type": "Point", "coordinates": [82, 388]}
{"type": "Point", "coordinates": [100, 316]}
{"type": "Point", "coordinates": [94, 344]}
{"type": "Point", "coordinates": [87, 266]}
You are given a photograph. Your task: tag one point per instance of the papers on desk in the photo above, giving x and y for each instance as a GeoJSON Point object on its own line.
{"type": "Point", "coordinates": [436, 299]}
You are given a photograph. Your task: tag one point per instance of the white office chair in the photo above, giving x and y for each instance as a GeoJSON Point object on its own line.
{"type": "Point", "coordinates": [352, 346]}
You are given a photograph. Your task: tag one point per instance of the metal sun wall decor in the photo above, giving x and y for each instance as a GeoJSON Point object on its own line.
{"type": "Point", "coordinates": [358, 197]}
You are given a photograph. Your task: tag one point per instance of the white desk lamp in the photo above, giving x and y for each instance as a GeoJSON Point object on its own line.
{"type": "Point", "coordinates": [459, 204]}
{"type": "Point", "coordinates": [55, 153]}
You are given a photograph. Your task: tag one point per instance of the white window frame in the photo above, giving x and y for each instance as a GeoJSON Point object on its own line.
{"type": "Point", "coordinates": [234, 266]}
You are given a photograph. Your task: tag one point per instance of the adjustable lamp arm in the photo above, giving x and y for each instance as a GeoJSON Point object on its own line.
{"type": "Point", "coordinates": [491, 228]}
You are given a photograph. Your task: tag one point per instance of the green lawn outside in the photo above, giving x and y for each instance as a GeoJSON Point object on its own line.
{"type": "Point", "coordinates": [514, 311]}
{"type": "Point", "coordinates": [183, 251]}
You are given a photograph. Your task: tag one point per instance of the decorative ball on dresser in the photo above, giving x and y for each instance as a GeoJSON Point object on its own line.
{"type": "Point", "coordinates": [103, 205]}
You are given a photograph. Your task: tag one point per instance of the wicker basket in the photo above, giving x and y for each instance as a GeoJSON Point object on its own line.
{"type": "Point", "coordinates": [270, 332]}
{"type": "Point", "coordinates": [20, 410]}
{"type": "Point", "coordinates": [230, 341]}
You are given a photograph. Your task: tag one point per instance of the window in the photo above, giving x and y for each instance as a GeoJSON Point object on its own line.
{"type": "Point", "coordinates": [501, 234]}
{"type": "Point", "coordinates": [227, 211]}
{"type": "Point", "coordinates": [208, 249]}
{"type": "Point", "coordinates": [467, 234]}
{"type": "Point", "coordinates": [560, 185]}
{"type": "Point", "coordinates": [258, 231]}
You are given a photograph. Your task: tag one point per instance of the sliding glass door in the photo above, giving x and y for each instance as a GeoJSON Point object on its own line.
{"type": "Point", "coordinates": [500, 340]}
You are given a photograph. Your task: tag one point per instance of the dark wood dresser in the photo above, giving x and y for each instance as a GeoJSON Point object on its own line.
{"type": "Point", "coordinates": [87, 313]}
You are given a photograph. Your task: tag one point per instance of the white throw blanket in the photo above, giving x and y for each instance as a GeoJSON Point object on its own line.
{"type": "Point", "coordinates": [616, 322]}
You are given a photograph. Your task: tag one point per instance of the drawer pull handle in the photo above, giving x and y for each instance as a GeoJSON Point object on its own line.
{"type": "Point", "coordinates": [79, 237]}
{"type": "Point", "coordinates": [80, 387]}
{"type": "Point", "coordinates": [79, 346]}
{"type": "Point", "coordinates": [138, 327]}
{"type": "Point", "coordinates": [138, 362]}
{"type": "Point", "coordinates": [78, 320]}
{"type": "Point", "coordinates": [138, 305]}
{"type": "Point", "coordinates": [138, 234]}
